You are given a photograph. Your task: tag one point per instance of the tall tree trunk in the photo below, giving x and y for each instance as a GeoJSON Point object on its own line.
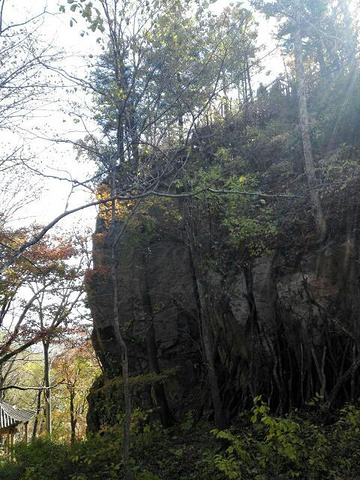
{"type": "Point", "coordinates": [46, 346]}
{"type": "Point", "coordinates": [38, 409]}
{"type": "Point", "coordinates": [115, 321]}
{"type": "Point", "coordinates": [249, 80]}
{"type": "Point", "coordinates": [304, 125]}
{"type": "Point", "coordinates": [72, 413]}
{"type": "Point", "coordinates": [166, 415]}
{"type": "Point", "coordinates": [133, 133]}
{"type": "Point", "coordinates": [115, 165]}
{"type": "Point", "coordinates": [2, 381]}
{"type": "Point", "coordinates": [204, 321]}
{"type": "Point", "coordinates": [180, 116]}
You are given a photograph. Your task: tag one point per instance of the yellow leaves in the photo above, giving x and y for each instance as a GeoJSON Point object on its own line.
{"type": "Point", "coordinates": [10, 272]}
{"type": "Point", "coordinates": [149, 36]}
{"type": "Point", "coordinates": [122, 207]}
{"type": "Point", "coordinates": [154, 212]}
{"type": "Point", "coordinates": [102, 194]}
{"type": "Point", "coordinates": [242, 179]}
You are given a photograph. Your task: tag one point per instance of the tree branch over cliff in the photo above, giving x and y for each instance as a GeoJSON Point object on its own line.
{"type": "Point", "coordinates": [151, 193]}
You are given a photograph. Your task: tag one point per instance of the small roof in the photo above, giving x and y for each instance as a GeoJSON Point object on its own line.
{"type": "Point", "coordinates": [10, 416]}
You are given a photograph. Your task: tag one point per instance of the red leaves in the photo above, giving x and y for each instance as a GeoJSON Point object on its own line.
{"type": "Point", "coordinates": [103, 271]}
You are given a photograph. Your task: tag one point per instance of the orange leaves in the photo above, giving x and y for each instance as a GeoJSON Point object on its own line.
{"type": "Point", "coordinates": [44, 254]}
{"type": "Point", "coordinates": [52, 253]}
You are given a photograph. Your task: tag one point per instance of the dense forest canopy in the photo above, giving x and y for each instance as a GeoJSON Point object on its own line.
{"type": "Point", "coordinates": [211, 331]}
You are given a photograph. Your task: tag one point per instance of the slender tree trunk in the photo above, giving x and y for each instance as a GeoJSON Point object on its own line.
{"type": "Point", "coordinates": [46, 346]}
{"type": "Point", "coordinates": [225, 98]}
{"type": "Point", "coordinates": [2, 381]}
{"type": "Point", "coordinates": [38, 409]}
{"type": "Point", "coordinates": [166, 415]}
{"type": "Point", "coordinates": [72, 414]}
{"type": "Point", "coordinates": [115, 164]}
{"type": "Point", "coordinates": [204, 320]}
{"type": "Point", "coordinates": [115, 319]}
{"type": "Point", "coordinates": [304, 125]}
{"type": "Point", "coordinates": [249, 81]}
{"type": "Point", "coordinates": [134, 144]}
{"type": "Point", "coordinates": [180, 116]}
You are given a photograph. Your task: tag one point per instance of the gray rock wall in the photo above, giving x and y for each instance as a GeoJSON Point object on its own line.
{"type": "Point", "coordinates": [285, 325]}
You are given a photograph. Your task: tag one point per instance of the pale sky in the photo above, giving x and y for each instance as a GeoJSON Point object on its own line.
{"type": "Point", "coordinates": [53, 120]}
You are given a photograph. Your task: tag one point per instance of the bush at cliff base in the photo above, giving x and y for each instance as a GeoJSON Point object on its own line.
{"type": "Point", "coordinates": [318, 445]}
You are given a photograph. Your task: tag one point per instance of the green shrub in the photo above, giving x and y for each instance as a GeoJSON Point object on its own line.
{"type": "Point", "coordinates": [10, 471]}
{"type": "Point", "coordinates": [292, 447]}
{"type": "Point", "coordinates": [264, 447]}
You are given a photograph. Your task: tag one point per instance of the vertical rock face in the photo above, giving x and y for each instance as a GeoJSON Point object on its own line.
{"type": "Point", "coordinates": [163, 270]}
{"type": "Point", "coordinates": [285, 324]}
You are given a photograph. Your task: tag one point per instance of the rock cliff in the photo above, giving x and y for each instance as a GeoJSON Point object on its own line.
{"type": "Point", "coordinates": [284, 323]}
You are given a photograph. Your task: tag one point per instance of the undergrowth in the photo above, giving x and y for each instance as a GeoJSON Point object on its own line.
{"type": "Point", "coordinates": [260, 447]}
